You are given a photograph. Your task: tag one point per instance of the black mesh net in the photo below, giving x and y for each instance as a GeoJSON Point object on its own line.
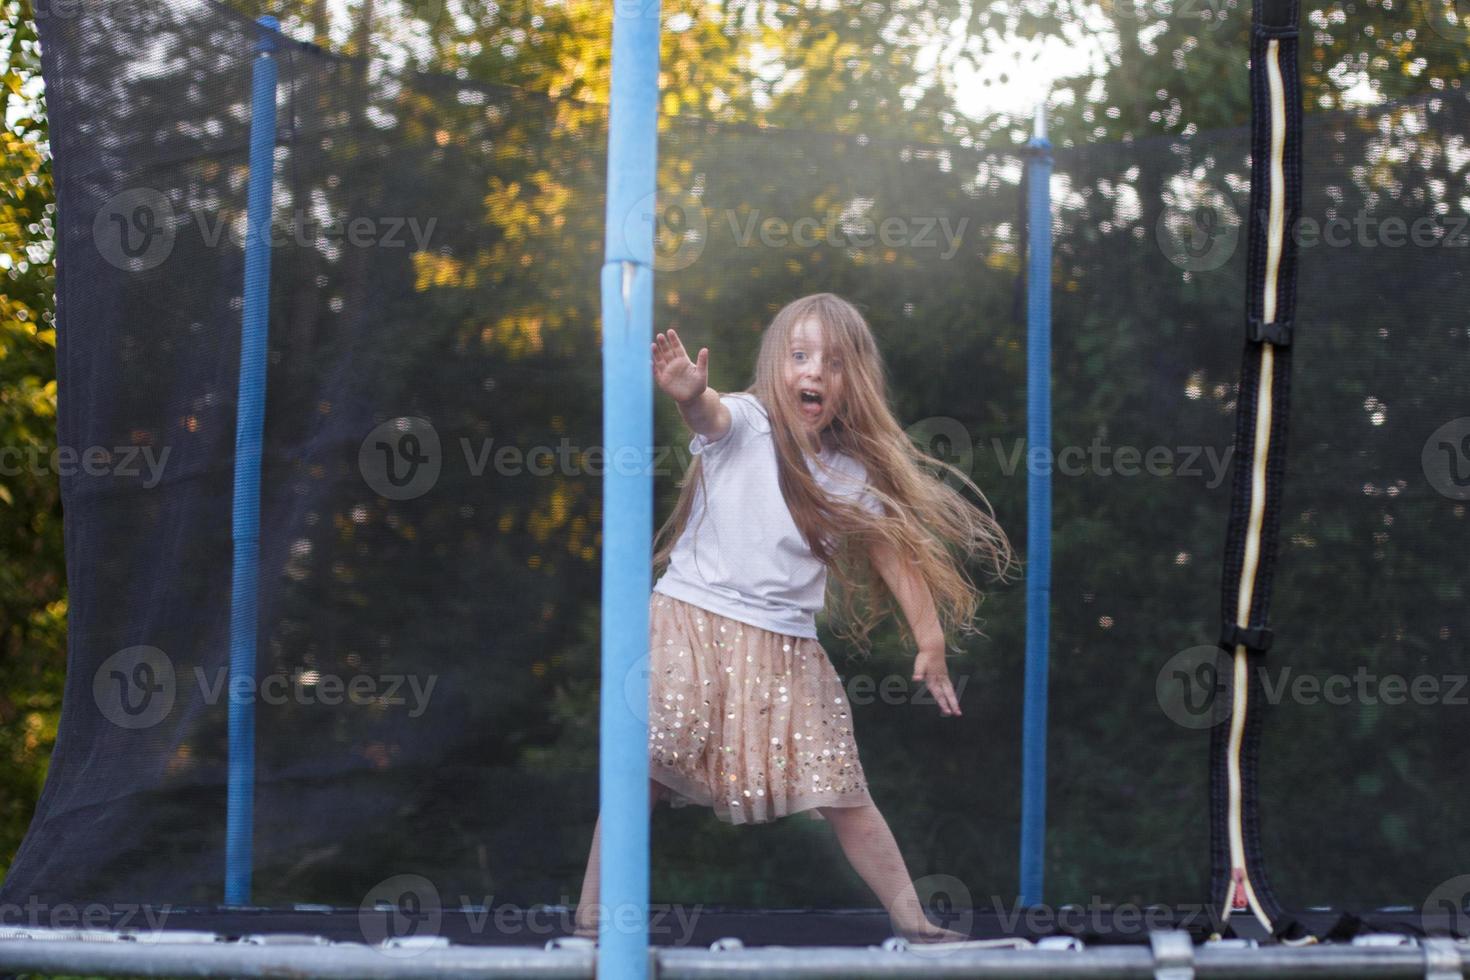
{"type": "Point", "coordinates": [426, 695]}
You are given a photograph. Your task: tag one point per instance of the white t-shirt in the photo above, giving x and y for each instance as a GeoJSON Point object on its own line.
{"type": "Point", "coordinates": [741, 555]}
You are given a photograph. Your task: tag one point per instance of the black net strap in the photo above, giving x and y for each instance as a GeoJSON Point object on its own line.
{"type": "Point", "coordinates": [1239, 881]}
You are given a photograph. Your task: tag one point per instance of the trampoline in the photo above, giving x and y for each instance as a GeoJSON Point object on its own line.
{"type": "Point", "coordinates": [352, 673]}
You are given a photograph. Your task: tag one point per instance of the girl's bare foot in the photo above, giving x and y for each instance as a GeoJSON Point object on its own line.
{"type": "Point", "coordinates": [928, 932]}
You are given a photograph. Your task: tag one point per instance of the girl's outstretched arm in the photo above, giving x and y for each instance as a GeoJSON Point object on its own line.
{"type": "Point", "coordinates": [687, 383]}
{"type": "Point", "coordinates": [918, 608]}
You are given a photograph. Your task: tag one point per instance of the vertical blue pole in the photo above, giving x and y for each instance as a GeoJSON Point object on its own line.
{"type": "Point", "coordinates": [1038, 514]}
{"type": "Point", "coordinates": [249, 423]}
{"type": "Point", "coordinates": [627, 404]}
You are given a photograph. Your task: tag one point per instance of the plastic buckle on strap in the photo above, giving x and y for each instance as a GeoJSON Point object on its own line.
{"type": "Point", "coordinates": [1280, 32]}
{"type": "Point", "coordinates": [1278, 332]}
{"type": "Point", "coordinates": [1173, 955]}
{"type": "Point", "coordinates": [1257, 639]}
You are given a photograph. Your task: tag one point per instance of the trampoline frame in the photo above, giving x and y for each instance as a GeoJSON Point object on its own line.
{"type": "Point", "coordinates": [627, 283]}
{"type": "Point", "coordinates": [1168, 955]}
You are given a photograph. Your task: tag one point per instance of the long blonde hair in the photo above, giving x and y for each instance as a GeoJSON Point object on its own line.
{"type": "Point", "coordinates": [931, 526]}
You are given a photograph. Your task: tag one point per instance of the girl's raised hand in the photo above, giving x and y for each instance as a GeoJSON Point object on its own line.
{"type": "Point", "coordinates": [929, 667]}
{"type": "Point", "coordinates": [679, 377]}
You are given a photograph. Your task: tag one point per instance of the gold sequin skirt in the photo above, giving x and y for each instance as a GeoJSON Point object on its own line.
{"type": "Point", "coordinates": [751, 723]}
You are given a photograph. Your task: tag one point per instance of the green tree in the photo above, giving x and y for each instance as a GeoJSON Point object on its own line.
{"type": "Point", "coordinates": [32, 573]}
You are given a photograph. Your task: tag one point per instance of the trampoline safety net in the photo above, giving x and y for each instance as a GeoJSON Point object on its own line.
{"type": "Point", "coordinates": [426, 690]}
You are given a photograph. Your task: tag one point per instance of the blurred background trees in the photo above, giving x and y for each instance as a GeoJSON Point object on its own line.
{"type": "Point", "coordinates": [32, 570]}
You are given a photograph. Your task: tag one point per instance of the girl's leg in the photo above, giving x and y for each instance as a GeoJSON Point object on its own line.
{"type": "Point", "coordinates": [586, 921]}
{"type": "Point", "coordinates": [870, 847]}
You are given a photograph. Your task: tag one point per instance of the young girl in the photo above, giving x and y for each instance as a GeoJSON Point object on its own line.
{"type": "Point", "coordinates": [804, 472]}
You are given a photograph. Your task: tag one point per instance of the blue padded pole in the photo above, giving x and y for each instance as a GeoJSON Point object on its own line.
{"type": "Point", "coordinates": [1038, 514]}
{"type": "Point", "coordinates": [627, 509]}
{"type": "Point", "coordinates": [249, 423]}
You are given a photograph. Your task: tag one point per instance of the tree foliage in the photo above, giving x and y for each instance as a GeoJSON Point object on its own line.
{"type": "Point", "coordinates": [32, 572]}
